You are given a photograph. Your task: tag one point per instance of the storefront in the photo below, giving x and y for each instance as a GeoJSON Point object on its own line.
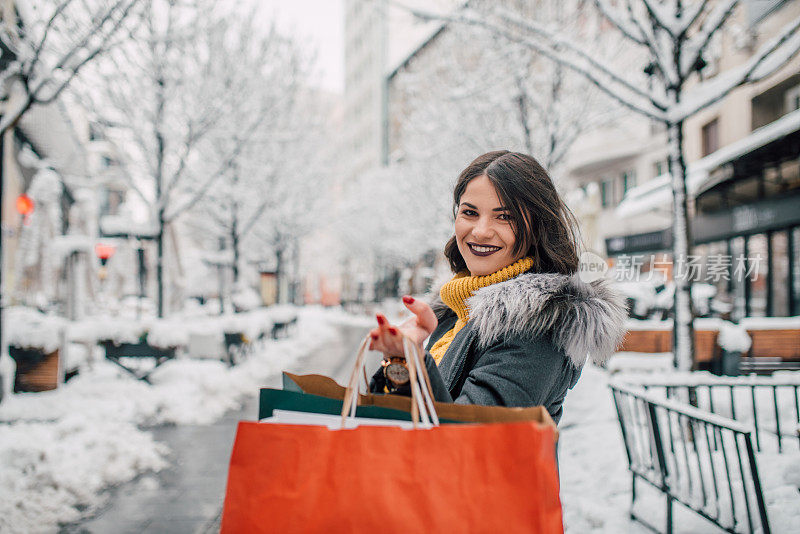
{"type": "Point", "coordinates": [746, 228]}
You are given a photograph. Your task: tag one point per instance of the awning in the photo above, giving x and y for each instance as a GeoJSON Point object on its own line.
{"type": "Point", "coordinates": [657, 193]}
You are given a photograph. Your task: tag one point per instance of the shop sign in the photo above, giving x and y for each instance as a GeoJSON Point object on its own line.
{"type": "Point", "coordinates": [749, 219]}
{"type": "Point", "coordinates": [647, 242]}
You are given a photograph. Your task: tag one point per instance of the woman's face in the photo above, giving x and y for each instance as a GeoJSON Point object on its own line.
{"type": "Point", "coordinates": [484, 233]}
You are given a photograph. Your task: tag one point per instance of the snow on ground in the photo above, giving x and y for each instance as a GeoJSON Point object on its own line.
{"type": "Point", "coordinates": [59, 449]}
{"type": "Point", "coordinates": [596, 484]}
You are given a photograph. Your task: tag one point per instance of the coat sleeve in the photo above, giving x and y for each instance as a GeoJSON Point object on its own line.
{"type": "Point", "coordinates": [438, 387]}
{"type": "Point", "coordinates": [514, 373]}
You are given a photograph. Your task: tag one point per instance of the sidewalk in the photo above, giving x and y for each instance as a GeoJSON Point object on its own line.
{"type": "Point", "coordinates": [187, 497]}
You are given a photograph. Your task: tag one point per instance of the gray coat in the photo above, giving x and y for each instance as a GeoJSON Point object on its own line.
{"type": "Point", "coordinates": [526, 341]}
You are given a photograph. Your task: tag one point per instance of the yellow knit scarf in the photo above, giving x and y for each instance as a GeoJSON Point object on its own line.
{"type": "Point", "coordinates": [455, 293]}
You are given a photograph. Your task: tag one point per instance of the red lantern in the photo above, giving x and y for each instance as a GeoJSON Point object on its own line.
{"type": "Point", "coordinates": [104, 252]}
{"type": "Point", "coordinates": [24, 205]}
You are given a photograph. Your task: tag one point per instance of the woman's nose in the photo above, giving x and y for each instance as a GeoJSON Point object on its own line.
{"type": "Point", "coordinates": [482, 229]}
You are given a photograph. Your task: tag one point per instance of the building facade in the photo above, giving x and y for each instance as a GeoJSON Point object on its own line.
{"type": "Point", "coordinates": [742, 155]}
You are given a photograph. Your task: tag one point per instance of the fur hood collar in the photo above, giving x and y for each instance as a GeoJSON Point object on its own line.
{"type": "Point", "coordinates": [582, 319]}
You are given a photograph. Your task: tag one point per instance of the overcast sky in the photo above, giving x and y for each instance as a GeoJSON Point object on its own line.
{"type": "Point", "coordinates": [320, 24]}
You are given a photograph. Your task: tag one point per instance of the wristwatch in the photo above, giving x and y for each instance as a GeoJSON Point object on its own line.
{"type": "Point", "coordinates": [395, 371]}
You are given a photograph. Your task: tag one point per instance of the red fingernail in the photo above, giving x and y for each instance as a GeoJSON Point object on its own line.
{"type": "Point", "coordinates": [408, 299]}
{"type": "Point", "coordinates": [381, 319]}
{"type": "Point", "coordinates": [374, 336]}
{"type": "Point", "coordinates": [393, 330]}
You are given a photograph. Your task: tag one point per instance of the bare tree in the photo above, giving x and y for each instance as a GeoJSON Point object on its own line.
{"type": "Point", "coordinates": [46, 44]}
{"type": "Point", "coordinates": [295, 201]}
{"type": "Point", "coordinates": [43, 47]}
{"type": "Point", "coordinates": [674, 36]}
{"type": "Point", "coordinates": [160, 95]}
{"type": "Point", "coordinates": [272, 68]}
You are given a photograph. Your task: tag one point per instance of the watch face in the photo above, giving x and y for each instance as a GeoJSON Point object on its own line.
{"type": "Point", "coordinates": [397, 373]}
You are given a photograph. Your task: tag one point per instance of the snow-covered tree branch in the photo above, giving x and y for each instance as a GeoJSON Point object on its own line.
{"type": "Point", "coordinates": [46, 44]}
{"type": "Point", "coordinates": [190, 80]}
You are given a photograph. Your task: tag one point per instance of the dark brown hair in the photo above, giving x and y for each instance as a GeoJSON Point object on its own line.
{"type": "Point", "coordinates": [544, 227]}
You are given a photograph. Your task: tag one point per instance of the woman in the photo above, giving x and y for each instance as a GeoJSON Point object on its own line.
{"type": "Point", "coordinates": [515, 324]}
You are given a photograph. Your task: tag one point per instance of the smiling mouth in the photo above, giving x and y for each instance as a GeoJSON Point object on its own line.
{"type": "Point", "coordinates": [482, 250]}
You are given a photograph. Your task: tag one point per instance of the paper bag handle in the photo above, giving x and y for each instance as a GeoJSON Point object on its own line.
{"type": "Point", "coordinates": [422, 408]}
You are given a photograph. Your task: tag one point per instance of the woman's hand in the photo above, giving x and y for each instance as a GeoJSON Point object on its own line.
{"type": "Point", "coordinates": [388, 339]}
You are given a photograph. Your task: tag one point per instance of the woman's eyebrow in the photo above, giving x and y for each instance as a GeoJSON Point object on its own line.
{"type": "Point", "coordinates": [501, 208]}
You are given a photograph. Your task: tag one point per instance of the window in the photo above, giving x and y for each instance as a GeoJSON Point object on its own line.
{"type": "Point", "coordinates": [737, 282]}
{"type": "Point", "coordinates": [628, 181]}
{"type": "Point", "coordinates": [606, 193]}
{"type": "Point", "coordinates": [659, 168]}
{"type": "Point", "coordinates": [791, 100]}
{"type": "Point", "coordinates": [758, 270]}
{"type": "Point", "coordinates": [710, 136]}
{"type": "Point", "coordinates": [794, 304]}
{"type": "Point", "coordinates": [779, 299]}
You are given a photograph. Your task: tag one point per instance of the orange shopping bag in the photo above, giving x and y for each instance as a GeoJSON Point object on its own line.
{"type": "Point", "coordinates": [495, 477]}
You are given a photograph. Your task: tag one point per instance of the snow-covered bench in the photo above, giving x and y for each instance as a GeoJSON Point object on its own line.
{"type": "Point", "coordinates": [703, 461]}
{"type": "Point", "coordinates": [128, 342]}
{"type": "Point", "coordinates": [773, 345]}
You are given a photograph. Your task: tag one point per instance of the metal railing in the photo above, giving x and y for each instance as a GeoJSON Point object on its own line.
{"type": "Point", "coordinates": [703, 461]}
{"type": "Point", "coordinates": [771, 405]}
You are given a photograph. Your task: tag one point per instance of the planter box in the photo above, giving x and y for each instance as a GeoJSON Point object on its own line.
{"type": "Point", "coordinates": [783, 344]}
{"type": "Point", "coordinates": [36, 370]}
{"type": "Point", "coordinates": [705, 342]}
{"type": "Point", "coordinates": [771, 343]}
{"type": "Point", "coordinates": [647, 341]}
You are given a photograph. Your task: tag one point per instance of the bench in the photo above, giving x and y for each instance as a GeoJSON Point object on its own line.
{"type": "Point", "coordinates": [237, 347]}
{"type": "Point", "coordinates": [766, 366]}
{"type": "Point", "coordinates": [141, 350]}
{"type": "Point", "coordinates": [281, 328]}
{"type": "Point", "coordinates": [703, 461]}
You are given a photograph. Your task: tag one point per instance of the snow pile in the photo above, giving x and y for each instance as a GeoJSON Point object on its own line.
{"type": "Point", "coordinates": [771, 323]}
{"type": "Point", "coordinates": [94, 329]}
{"type": "Point", "coordinates": [281, 313]}
{"type": "Point", "coordinates": [30, 329]}
{"type": "Point", "coordinates": [59, 449]}
{"type": "Point", "coordinates": [64, 245]}
{"type": "Point", "coordinates": [246, 298]}
{"type": "Point", "coordinates": [49, 470]}
{"type": "Point", "coordinates": [643, 296]}
{"type": "Point", "coordinates": [167, 333]}
{"type": "Point", "coordinates": [650, 293]}
{"type": "Point", "coordinates": [647, 324]}
{"type": "Point", "coordinates": [177, 330]}
{"type": "Point", "coordinates": [733, 338]}
{"type": "Point", "coordinates": [641, 362]}
{"type": "Point", "coordinates": [255, 323]}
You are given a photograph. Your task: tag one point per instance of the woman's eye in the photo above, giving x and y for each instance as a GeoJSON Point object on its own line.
{"type": "Point", "coordinates": [505, 217]}
{"type": "Point", "coordinates": [469, 212]}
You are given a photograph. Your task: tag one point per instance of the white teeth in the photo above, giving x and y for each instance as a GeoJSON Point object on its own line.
{"type": "Point", "coordinates": [484, 249]}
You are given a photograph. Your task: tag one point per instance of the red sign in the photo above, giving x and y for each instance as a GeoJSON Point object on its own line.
{"type": "Point", "coordinates": [24, 204]}
{"type": "Point", "coordinates": [104, 251]}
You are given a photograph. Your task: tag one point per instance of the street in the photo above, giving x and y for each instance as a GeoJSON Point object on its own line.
{"type": "Point", "coordinates": [187, 497]}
